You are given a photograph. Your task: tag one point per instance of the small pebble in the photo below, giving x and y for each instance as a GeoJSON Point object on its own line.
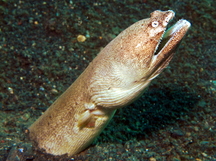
{"type": "Point", "coordinates": [152, 159]}
{"type": "Point", "coordinates": [10, 90]}
{"type": "Point", "coordinates": [81, 38]}
{"type": "Point", "coordinates": [54, 91]}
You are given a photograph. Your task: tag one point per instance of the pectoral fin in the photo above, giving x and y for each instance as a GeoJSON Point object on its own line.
{"type": "Point", "coordinates": [85, 119]}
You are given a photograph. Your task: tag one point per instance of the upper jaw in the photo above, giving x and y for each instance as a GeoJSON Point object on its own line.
{"type": "Point", "coordinates": [169, 17]}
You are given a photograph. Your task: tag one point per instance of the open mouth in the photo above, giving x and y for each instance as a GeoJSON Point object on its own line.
{"type": "Point", "coordinates": [172, 36]}
{"type": "Point", "coordinates": [167, 47]}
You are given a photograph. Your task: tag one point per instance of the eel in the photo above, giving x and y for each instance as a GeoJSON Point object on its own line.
{"type": "Point", "coordinates": [116, 77]}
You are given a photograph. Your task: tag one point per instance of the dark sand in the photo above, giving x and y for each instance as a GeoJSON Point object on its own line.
{"type": "Point", "coordinates": [175, 118]}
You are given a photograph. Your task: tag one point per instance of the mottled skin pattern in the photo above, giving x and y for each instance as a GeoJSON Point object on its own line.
{"type": "Point", "coordinates": [115, 78]}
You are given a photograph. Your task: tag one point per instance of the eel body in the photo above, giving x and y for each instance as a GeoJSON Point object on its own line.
{"type": "Point", "coordinates": [115, 78]}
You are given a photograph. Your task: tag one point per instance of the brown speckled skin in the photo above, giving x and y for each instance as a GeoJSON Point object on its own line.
{"type": "Point", "coordinates": [117, 76]}
{"type": "Point", "coordinates": [54, 130]}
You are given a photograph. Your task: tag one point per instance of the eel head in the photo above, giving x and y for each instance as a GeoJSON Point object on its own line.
{"type": "Point", "coordinates": [136, 56]}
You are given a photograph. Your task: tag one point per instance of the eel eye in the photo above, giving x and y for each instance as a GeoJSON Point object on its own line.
{"type": "Point", "coordinates": [155, 24]}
